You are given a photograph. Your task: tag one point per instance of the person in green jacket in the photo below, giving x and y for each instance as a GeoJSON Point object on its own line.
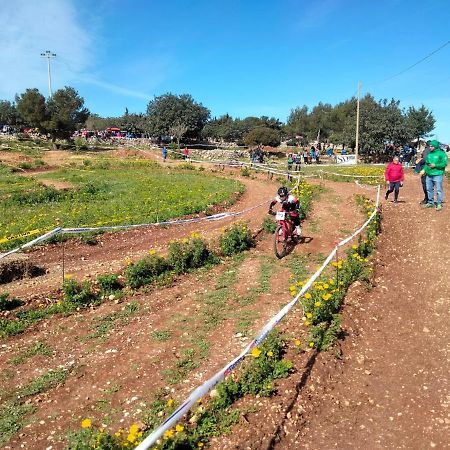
{"type": "Point", "coordinates": [434, 170]}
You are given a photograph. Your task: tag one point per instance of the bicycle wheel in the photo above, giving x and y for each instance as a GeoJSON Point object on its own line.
{"type": "Point", "coordinates": [279, 242]}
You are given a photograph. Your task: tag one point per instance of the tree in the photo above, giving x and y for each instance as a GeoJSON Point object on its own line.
{"type": "Point", "coordinates": [298, 123]}
{"type": "Point", "coordinates": [178, 131]}
{"type": "Point", "coordinates": [32, 109]}
{"type": "Point", "coordinates": [8, 113]}
{"type": "Point", "coordinates": [262, 135]}
{"type": "Point", "coordinates": [420, 122]}
{"type": "Point", "coordinates": [133, 123]}
{"type": "Point", "coordinates": [66, 113]}
{"type": "Point", "coordinates": [95, 122]}
{"type": "Point", "coordinates": [167, 110]}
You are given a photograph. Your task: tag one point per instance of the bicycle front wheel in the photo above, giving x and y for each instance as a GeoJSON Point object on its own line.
{"type": "Point", "coordinates": [280, 242]}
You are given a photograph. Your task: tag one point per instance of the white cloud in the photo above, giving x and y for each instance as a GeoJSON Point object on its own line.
{"type": "Point", "coordinates": [317, 12]}
{"type": "Point", "coordinates": [30, 28]}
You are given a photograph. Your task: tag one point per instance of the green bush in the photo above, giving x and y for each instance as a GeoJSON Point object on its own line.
{"type": "Point", "coordinates": [109, 283]}
{"type": "Point", "coordinates": [7, 304]}
{"type": "Point", "coordinates": [145, 270]}
{"type": "Point", "coordinates": [269, 225]}
{"type": "Point", "coordinates": [188, 254]}
{"type": "Point", "coordinates": [42, 195]}
{"type": "Point", "coordinates": [245, 172]}
{"type": "Point", "coordinates": [236, 239]}
{"type": "Point", "coordinates": [78, 293]}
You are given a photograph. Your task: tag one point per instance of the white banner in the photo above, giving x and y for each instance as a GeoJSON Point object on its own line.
{"type": "Point", "coordinates": [345, 159]}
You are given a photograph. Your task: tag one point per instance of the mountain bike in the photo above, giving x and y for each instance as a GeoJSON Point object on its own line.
{"type": "Point", "coordinates": [285, 238]}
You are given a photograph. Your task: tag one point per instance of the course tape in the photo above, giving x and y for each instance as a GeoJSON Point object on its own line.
{"type": "Point", "coordinates": [266, 168]}
{"type": "Point", "coordinates": [42, 238]}
{"type": "Point", "coordinates": [58, 230]}
{"type": "Point", "coordinates": [202, 390]}
{"type": "Point", "coordinates": [19, 236]}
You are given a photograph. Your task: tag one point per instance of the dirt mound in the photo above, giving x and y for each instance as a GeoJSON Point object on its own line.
{"type": "Point", "coordinates": [17, 267]}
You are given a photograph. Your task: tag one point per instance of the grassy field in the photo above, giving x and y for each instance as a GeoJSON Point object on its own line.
{"type": "Point", "coordinates": [109, 192]}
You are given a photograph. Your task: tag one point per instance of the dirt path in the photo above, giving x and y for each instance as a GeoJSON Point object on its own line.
{"type": "Point", "coordinates": [391, 390]}
{"type": "Point", "coordinates": [117, 356]}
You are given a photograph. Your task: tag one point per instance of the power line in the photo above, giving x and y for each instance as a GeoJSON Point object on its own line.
{"type": "Point", "coordinates": [416, 63]}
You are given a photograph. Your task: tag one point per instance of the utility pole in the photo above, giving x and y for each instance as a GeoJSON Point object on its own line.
{"type": "Point", "coordinates": [49, 55]}
{"type": "Point", "coordinates": [357, 124]}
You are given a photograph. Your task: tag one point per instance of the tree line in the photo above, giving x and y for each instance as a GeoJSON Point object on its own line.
{"type": "Point", "coordinates": [180, 117]}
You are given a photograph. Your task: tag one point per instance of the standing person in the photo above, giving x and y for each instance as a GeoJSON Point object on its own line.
{"type": "Point", "coordinates": [434, 168]}
{"type": "Point", "coordinates": [395, 176]}
{"type": "Point", "coordinates": [186, 153]}
{"type": "Point", "coordinates": [305, 156]}
{"type": "Point", "coordinates": [420, 165]}
{"type": "Point", "coordinates": [298, 161]}
{"type": "Point", "coordinates": [164, 153]}
{"type": "Point", "coordinates": [289, 161]}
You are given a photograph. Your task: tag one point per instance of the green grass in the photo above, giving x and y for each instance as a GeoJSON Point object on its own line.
{"type": "Point", "coordinates": [39, 348]}
{"type": "Point", "coordinates": [14, 410]}
{"type": "Point", "coordinates": [124, 193]}
{"type": "Point", "coordinates": [105, 324]}
{"type": "Point", "coordinates": [161, 335]}
{"type": "Point", "coordinates": [44, 383]}
{"type": "Point", "coordinates": [12, 419]}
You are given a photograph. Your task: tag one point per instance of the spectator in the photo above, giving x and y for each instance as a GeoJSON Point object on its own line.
{"type": "Point", "coordinates": [434, 169]}
{"type": "Point", "coordinates": [186, 153]}
{"type": "Point", "coordinates": [305, 156]}
{"type": "Point", "coordinates": [164, 153]}
{"type": "Point", "coordinates": [420, 164]}
{"type": "Point", "coordinates": [298, 161]}
{"type": "Point", "coordinates": [289, 161]}
{"type": "Point", "coordinates": [394, 176]}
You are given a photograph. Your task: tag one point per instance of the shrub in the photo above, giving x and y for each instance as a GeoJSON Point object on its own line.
{"type": "Point", "coordinates": [7, 304]}
{"type": "Point", "coordinates": [43, 195]}
{"type": "Point", "coordinates": [78, 293]}
{"type": "Point", "coordinates": [236, 239]}
{"type": "Point", "coordinates": [269, 225]}
{"type": "Point", "coordinates": [109, 283]}
{"type": "Point", "coordinates": [145, 270]}
{"type": "Point", "coordinates": [188, 254]}
{"type": "Point", "coordinates": [245, 172]}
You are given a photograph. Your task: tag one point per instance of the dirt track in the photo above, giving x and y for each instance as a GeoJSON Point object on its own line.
{"type": "Point", "coordinates": [390, 390]}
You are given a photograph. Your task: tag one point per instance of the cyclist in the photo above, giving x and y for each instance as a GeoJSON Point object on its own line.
{"type": "Point", "coordinates": [290, 204]}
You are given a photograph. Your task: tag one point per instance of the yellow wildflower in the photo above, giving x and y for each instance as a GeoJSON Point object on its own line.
{"type": "Point", "coordinates": [307, 296]}
{"type": "Point", "coordinates": [307, 323]}
{"type": "Point", "coordinates": [326, 296]}
{"type": "Point", "coordinates": [311, 344]}
{"type": "Point", "coordinates": [200, 444]}
{"type": "Point", "coordinates": [170, 402]}
{"type": "Point", "coordinates": [179, 428]}
{"type": "Point", "coordinates": [317, 304]}
{"type": "Point", "coordinates": [297, 342]}
{"type": "Point", "coordinates": [256, 352]}
{"type": "Point", "coordinates": [68, 276]}
{"type": "Point", "coordinates": [134, 429]}
{"type": "Point", "coordinates": [309, 315]}
{"type": "Point", "coordinates": [269, 353]}
{"type": "Point", "coordinates": [152, 252]}
{"type": "Point", "coordinates": [86, 423]}
{"type": "Point", "coordinates": [354, 247]}
{"type": "Point", "coordinates": [168, 434]}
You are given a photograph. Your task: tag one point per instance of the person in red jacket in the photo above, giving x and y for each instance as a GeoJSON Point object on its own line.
{"type": "Point", "coordinates": [395, 176]}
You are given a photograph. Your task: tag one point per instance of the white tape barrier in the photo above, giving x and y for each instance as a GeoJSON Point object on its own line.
{"type": "Point", "coordinates": [59, 230]}
{"type": "Point", "coordinates": [267, 168]}
{"type": "Point", "coordinates": [202, 390]}
{"type": "Point", "coordinates": [42, 238]}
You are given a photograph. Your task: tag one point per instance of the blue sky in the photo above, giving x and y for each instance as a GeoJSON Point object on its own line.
{"type": "Point", "coordinates": [238, 57]}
